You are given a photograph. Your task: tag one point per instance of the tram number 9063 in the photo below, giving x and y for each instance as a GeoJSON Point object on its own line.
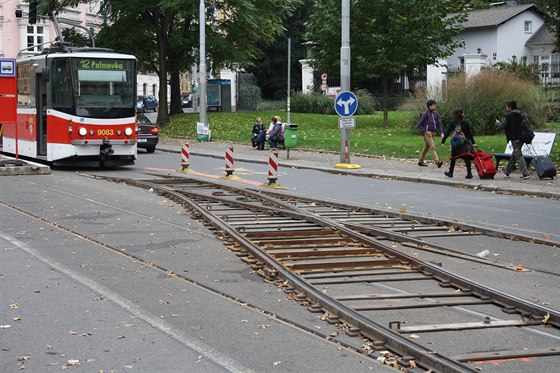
{"type": "Point", "coordinates": [105, 132]}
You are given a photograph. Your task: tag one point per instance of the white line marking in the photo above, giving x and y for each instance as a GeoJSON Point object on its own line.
{"type": "Point", "coordinates": [154, 321]}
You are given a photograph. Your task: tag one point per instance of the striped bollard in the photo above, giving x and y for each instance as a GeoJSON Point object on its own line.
{"type": "Point", "coordinates": [229, 160]}
{"type": "Point", "coordinates": [346, 152]}
{"type": "Point", "coordinates": [185, 157]}
{"type": "Point", "coordinates": [272, 166]}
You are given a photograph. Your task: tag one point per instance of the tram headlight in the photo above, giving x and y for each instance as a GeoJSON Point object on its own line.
{"type": "Point", "coordinates": [82, 131]}
{"type": "Point", "coordinates": [128, 131]}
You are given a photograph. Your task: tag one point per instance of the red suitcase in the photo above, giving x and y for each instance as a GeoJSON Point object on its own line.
{"type": "Point", "coordinates": [484, 165]}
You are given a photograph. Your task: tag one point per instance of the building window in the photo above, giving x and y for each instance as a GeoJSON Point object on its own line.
{"type": "Point", "coordinates": [528, 27]}
{"type": "Point", "coordinates": [35, 36]}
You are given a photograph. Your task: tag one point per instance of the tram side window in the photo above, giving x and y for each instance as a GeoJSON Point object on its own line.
{"type": "Point", "coordinates": [62, 86]}
{"type": "Point", "coordinates": [25, 96]}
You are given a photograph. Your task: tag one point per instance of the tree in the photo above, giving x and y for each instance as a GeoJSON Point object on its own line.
{"type": "Point", "coordinates": [387, 37]}
{"type": "Point", "coordinates": [271, 69]}
{"type": "Point", "coordinates": [164, 35]}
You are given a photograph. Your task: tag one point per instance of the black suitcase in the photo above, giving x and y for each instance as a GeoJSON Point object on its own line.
{"type": "Point", "coordinates": [542, 164]}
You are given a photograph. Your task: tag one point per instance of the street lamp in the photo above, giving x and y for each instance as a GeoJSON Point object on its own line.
{"type": "Point", "coordinates": [514, 58]}
{"type": "Point", "coordinates": [478, 50]}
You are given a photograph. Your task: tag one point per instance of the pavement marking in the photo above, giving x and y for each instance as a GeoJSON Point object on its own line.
{"type": "Point", "coordinates": [193, 343]}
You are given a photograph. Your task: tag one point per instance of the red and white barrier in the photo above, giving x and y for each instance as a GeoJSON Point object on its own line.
{"type": "Point", "coordinates": [185, 156]}
{"type": "Point", "coordinates": [229, 160]}
{"type": "Point", "coordinates": [272, 166]}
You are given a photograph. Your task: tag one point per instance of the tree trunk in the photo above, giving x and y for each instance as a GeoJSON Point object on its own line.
{"type": "Point", "coordinates": [385, 108]}
{"type": "Point", "coordinates": [163, 109]}
{"type": "Point", "coordinates": [175, 83]}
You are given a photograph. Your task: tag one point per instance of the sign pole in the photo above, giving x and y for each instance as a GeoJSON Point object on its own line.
{"type": "Point", "coordinates": [202, 83]}
{"type": "Point", "coordinates": [345, 74]}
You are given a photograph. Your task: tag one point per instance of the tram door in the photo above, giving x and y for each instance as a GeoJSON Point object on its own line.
{"type": "Point", "coordinates": [41, 101]}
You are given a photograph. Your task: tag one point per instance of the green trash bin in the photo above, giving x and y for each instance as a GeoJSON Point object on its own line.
{"type": "Point", "coordinates": [290, 136]}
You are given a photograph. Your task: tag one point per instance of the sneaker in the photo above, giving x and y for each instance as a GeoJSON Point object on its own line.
{"type": "Point", "coordinates": [439, 164]}
{"type": "Point", "coordinates": [525, 177]}
{"type": "Point", "coordinates": [504, 172]}
{"type": "Point", "coordinates": [469, 176]}
{"type": "Point", "coordinates": [422, 164]}
{"type": "Point", "coordinates": [448, 174]}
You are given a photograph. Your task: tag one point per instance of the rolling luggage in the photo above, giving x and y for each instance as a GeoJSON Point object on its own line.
{"type": "Point", "coordinates": [484, 165]}
{"type": "Point", "coordinates": [542, 164]}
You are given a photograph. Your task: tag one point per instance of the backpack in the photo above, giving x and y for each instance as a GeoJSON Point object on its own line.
{"type": "Point", "coordinates": [526, 134]}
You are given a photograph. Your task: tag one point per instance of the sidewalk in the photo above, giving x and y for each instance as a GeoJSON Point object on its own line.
{"type": "Point", "coordinates": [395, 169]}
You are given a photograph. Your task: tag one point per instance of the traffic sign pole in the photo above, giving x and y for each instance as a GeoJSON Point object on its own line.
{"type": "Point", "coordinates": [345, 74]}
{"type": "Point", "coordinates": [345, 104]}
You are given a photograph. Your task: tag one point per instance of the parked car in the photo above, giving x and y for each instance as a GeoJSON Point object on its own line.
{"type": "Point", "coordinates": [145, 103]}
{"type": "Point", "coordinates": [186, 100]}
{"type": "Point", "coordinates": [148, 134]}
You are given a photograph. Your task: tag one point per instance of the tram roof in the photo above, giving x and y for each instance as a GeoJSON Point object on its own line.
{"type": "Point", "coordinates": [79, 53]}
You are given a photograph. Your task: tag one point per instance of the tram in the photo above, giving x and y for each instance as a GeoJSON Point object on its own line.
{"type": "Point", "coordinates": [75, 106]}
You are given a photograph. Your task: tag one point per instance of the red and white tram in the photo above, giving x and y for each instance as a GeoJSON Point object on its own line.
{"type": "Point", "coordinates": [75, 106]}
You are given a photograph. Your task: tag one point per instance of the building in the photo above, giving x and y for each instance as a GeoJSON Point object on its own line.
{"type": "Point", "coordinates": [503, 33]}
{"type": "Point", "coordinates": [18, 38]}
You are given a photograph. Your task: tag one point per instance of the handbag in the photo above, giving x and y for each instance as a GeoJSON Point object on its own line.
{"type": "Point", "coordinates": [458, 139]}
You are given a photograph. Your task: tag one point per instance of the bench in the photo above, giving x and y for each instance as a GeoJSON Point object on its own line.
{"type": "Point", "coordinates": [542, 143]}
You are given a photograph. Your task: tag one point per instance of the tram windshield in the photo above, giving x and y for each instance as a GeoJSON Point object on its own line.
{"type": "Point", "coordinates": [94, 87]}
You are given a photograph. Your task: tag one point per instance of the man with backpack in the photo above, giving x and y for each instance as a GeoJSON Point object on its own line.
{"type": "Point", "coordinates": [512, 126]}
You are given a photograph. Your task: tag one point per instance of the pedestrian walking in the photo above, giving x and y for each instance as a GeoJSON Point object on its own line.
{"type": "Point", "coordinates": [512, 126]}
{"type": "Point", "coordinates": [462, 142]}
{"type": "Point", "coordinates": [430, 125]}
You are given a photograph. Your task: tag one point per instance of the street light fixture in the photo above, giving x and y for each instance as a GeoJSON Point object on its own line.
{"type": "Point", "coordinates": [514, 58]}
{"type": "Point", "coordinates": [479, 50]}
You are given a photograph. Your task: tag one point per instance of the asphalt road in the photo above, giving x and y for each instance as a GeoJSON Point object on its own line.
{"type": "Point", "coordinates": [66, 300]}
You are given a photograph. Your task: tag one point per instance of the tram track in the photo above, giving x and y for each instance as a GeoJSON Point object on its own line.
{"type": "Point", "coordinates": [350, 345]}
{"type": "Point", "coordinates": [333, 266]}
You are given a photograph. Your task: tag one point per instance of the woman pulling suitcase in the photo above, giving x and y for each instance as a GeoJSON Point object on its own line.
{"type": "Point", "coordinates": [462, 142]}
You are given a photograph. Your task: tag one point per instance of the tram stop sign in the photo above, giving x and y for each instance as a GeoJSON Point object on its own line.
{"type": "Point", "coordinates": [8, 98]}
{"type": "Point", "coordinates": [346, 104]}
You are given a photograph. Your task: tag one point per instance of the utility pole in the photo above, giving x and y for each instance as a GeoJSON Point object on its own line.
{"type": "Point", "coordinates": [345, 76]}
{"type": "Point", "coordinates": [202, 64]}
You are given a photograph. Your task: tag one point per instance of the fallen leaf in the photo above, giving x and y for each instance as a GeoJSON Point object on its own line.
{"type": "Point", "coordinates": [73, 362]}
{"type": "Point", "coordinates": [14, 306]}
{"type": "Point", "coordinates": [5, 326]}
{"type": "Point", "coordinates": [277, 362]}
{"type": "Point", "coordinates": [414, 336]}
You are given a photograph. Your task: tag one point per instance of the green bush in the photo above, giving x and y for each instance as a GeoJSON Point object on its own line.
{"type": "Point", "coordinates": [317, 103]}
{"type": "Point", "coordinates": [483, 97]}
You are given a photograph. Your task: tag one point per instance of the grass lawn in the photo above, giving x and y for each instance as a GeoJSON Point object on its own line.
{"type": "Point", "coordinates": [320, 132]}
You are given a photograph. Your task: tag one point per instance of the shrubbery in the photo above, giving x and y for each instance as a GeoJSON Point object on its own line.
{"type": "Point", "coordinates": [483, 97]}
{"type": "Point", "coordinates": [316, 103]}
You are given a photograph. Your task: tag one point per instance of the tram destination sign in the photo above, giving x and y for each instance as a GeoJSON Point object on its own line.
{"type": "Point", "coordinates": [100, 64]}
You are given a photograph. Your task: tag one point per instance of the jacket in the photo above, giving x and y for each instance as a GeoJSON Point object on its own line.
{"type": "Point", "coordinates": [430, 121]}
{"type": "Point", "coordinates": [512, 125]}
{"type": "Point", "coordinates": [465, 127]}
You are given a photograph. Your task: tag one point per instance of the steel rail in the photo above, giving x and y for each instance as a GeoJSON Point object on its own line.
{"type": "Point", "coordinates": [393, 341]}
{"type": "Point", "coordinates": [378, 333]}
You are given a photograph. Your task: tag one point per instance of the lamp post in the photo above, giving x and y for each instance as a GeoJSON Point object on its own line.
{"type": "Point", "coordinates": [514, 58]}
{"type": "Point", "coordinates": [478, 50]}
